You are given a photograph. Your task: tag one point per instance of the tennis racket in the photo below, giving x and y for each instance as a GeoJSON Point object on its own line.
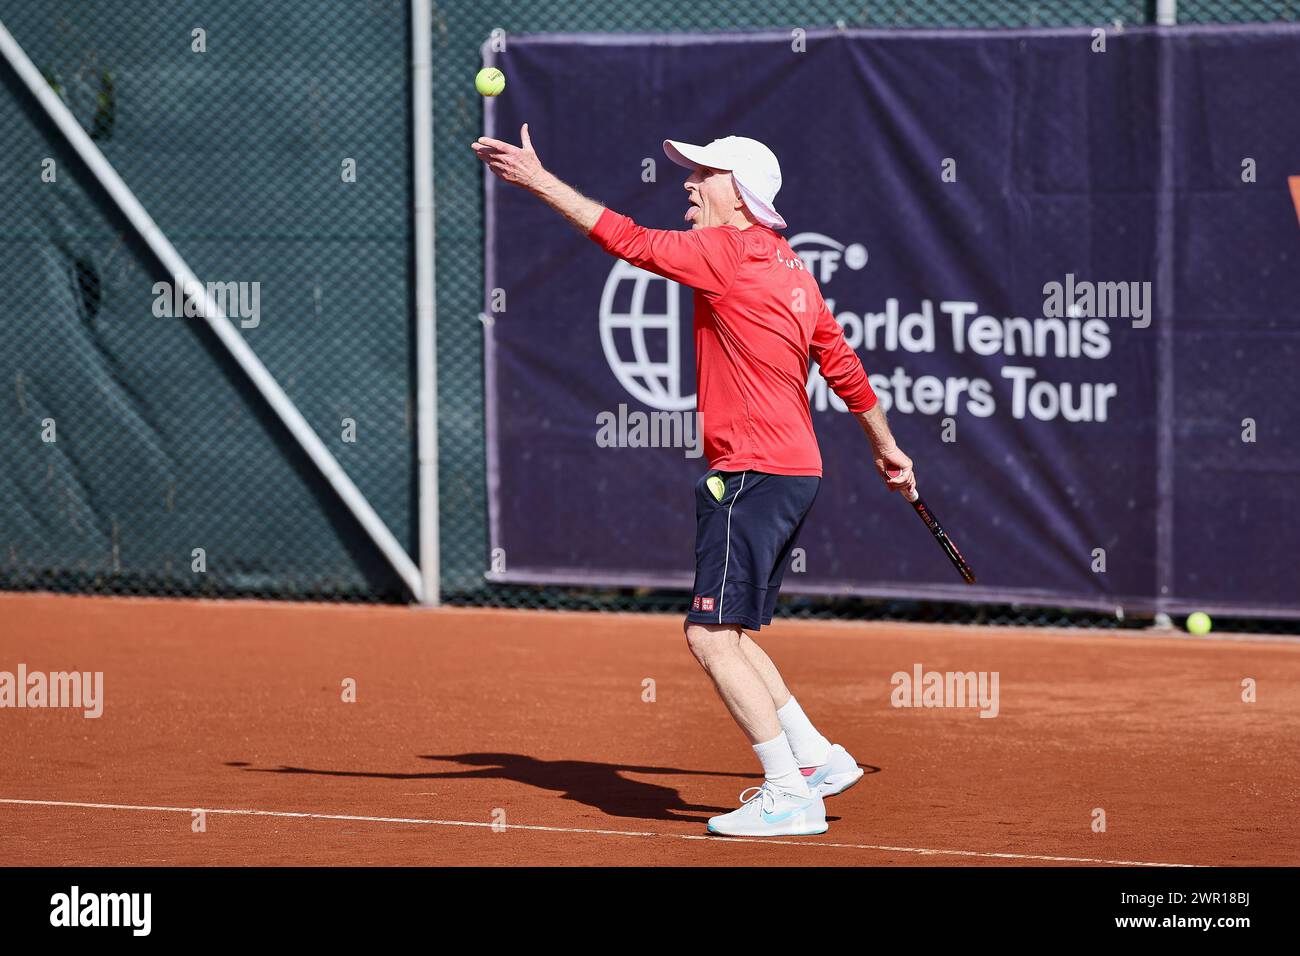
{"type": "Point", "coordinates": [936, 529]}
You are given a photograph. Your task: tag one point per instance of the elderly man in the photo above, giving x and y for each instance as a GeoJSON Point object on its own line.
{"type": "Point", "coordinates": [759, 315]}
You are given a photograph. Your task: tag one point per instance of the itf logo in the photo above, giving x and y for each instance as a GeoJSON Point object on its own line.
{"type": "Point", "coordinates": [641, 321]}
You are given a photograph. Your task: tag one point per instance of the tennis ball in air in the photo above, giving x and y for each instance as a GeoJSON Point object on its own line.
{"type": "Point", "coordinates": [1199, 623]}
{"type": "Point", "coordinates": [490, 81]}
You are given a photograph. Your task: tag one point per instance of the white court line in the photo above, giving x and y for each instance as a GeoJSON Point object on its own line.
{"type": "Point", "coordinates": [545, 829]}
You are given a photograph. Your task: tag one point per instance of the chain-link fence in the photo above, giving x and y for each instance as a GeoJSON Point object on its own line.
{"type": "Point", "coordinates": [139, 458]}
{"type": "Point", "coordinates": [271, 143]}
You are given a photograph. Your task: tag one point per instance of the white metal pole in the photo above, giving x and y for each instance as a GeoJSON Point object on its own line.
{"type": "Point", "coordinates": [1166, 13]}
{"type": "Point", "coordinates": [213, 314]}
{"type": "Point", "coordinates": [426, 328]}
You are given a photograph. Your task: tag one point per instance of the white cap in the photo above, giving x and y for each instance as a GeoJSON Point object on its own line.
{"type": "Point", "coordinates": [752, 165]}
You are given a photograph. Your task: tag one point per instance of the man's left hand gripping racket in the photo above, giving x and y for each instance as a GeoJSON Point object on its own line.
{"type": "Point", "coordinates": [936, 529]}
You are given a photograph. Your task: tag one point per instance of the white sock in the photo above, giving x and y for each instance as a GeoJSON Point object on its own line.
{"type": "Point", "coordinates": [810, 748]}
{"type": "Point", "coordinates": [779, 766]}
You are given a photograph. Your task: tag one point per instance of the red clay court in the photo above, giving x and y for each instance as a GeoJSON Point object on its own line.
{"type": "Point", "coordinates": [517, 737]}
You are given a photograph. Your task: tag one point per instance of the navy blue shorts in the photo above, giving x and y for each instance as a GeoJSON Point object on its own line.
{"type": "Point", "coordinates": [743, 541]}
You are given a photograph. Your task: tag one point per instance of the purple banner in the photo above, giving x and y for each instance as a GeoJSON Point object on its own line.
{"type": "Point", "coordinates": [1070, 264]}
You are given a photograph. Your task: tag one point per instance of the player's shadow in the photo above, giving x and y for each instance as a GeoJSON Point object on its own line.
{"type": "Point", "coordinates": [599, 785]}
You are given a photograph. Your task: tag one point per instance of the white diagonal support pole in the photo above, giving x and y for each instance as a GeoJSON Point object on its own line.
{"type": "Point", "coordinates": [426, 329]}
{"type": "Point", "coordinates": [213, 314]}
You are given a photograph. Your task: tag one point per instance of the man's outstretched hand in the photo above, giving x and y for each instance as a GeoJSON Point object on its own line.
{"type": "Point", "coordinates": [514, 164]}
{"type": "Point", "coordinates": [520, 165]}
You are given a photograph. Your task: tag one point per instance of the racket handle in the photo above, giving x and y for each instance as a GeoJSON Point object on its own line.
{"type": "Point", "coordinates": [914, 496]}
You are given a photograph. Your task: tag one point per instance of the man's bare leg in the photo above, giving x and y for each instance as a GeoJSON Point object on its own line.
{"type": "Point", "coordinates": [717, 647]}
{"type": "Point", "coordinates": [763, 665]}
{"type": "Point", "coordinates": [809, 747]}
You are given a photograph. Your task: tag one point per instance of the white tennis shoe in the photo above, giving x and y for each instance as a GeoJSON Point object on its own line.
{"type": "Point", "coordinates": [768, 811]}
{"type": "Point", "coordinates": [836, 775]}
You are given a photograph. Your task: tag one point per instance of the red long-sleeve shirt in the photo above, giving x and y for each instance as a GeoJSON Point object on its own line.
{"type": "Point", "coordinates": [758, 317]}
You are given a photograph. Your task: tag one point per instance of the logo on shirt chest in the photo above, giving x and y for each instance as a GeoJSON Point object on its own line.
{"type": "Point", "coordinates": [795, 263]}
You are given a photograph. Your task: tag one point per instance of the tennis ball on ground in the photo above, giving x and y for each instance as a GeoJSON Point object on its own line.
{"type": "Point", "coordinates": [490, 81]}
{"type": "Point", "coordinates": [1199, 623]}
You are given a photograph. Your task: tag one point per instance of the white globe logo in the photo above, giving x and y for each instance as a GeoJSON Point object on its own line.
{"type": "Point", "coordinates": [649, 365]}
